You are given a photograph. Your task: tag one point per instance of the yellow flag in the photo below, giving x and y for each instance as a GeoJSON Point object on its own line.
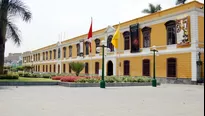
{"type": "Point", "coordinates": [116, 37]}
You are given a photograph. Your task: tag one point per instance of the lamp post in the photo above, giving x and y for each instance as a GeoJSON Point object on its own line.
{"type": "Point", "coordinates": [154, 81]}
{"type": "Point", "coordinates": [102, 82]}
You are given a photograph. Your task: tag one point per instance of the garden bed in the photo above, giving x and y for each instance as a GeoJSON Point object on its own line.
{"type": "Point", "coordinates": [70, 84]}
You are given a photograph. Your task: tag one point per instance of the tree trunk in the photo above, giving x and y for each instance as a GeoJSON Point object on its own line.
{"type": "Point", "coordinates": [2, 50]}
{"type": "Point", "coordinates": [3, 24]}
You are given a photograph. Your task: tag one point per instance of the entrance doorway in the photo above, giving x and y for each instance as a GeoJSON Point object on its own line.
{"type": "Point", "coordinates": [110, 68]}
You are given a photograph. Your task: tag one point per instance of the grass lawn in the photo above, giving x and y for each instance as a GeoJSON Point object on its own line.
{"type": "Point", "coordinates": [23, 79]}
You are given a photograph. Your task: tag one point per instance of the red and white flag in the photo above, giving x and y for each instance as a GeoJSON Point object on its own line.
{"type": "Point", "coordinates": [90, 34]}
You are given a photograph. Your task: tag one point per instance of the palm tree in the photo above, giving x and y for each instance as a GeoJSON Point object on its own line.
{"type": "Point", "coordinates": [180, 2]}
{"type": "Point", "coordinates": [10, 9]}
{"type": "Point", "coordinates": [152, 9]}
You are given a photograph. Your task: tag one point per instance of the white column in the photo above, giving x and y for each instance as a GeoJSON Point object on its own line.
{"type": "Point", "coordinates": [194, 41]}
{"type": "Point", "coordinates": [194, 29]}
{"type": "Point", "coordinates": [194, 66]}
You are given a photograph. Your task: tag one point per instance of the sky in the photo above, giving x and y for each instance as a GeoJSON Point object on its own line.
{"type": "Point", "coordinates": [71, 18]}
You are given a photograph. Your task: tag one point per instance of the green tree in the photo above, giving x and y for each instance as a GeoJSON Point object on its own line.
{"type": "Point", "coordinates": [180, 2]}
{"type": "Point", "coordinates": [77, 67]}
{"type": "Point", "coordinates": [20, 68]}
{"type": "Point", "coordinates": [28, 68]}
{"type": "Point", "coordinates": [10, 9]}
{"type": "Point", "coordinates": [152, 9]}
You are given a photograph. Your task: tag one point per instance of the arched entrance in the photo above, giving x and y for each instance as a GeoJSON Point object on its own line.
{"type": "Point", "coordinates": [110, 68]}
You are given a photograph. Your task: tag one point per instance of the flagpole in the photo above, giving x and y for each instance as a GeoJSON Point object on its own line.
{"type": "Point", "coordinates": [91, 50]}
{"type": "Point", "coordinates": [119, 53]}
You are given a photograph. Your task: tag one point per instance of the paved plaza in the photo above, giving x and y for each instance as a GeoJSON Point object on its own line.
{"type": "Point", "coordinates": [165, 100]}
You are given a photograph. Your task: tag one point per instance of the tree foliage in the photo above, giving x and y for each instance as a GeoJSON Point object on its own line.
{"type": "Point", "coordinates": [77, 67]}
{"type": "Point", "coordinates": [180, 2]}
{"type": "Point", "coordinates": [152, 9]}
{"type": "Point", "coordinates": [9, 10]}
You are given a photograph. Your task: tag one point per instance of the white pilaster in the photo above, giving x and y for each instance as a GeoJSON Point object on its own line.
{"type": "Point", "coordinates": [194, 46]}
{"type": "Point", "coordinates": [194, 66]}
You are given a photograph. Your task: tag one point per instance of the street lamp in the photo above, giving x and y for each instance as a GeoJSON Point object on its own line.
{"type": "Point", "coordinates": [154, 81]}
{"type": "Point", "coordinates": [102, 82]}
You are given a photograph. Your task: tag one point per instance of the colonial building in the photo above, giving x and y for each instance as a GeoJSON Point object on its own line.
{"type": "Point", "coordinates": [177, 33]}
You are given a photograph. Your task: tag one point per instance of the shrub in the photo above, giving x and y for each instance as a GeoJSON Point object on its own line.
{"type": "Point", "coordinates": [93, 80]}
{"type": "Point", "coordinates": [81, 80]}
{"type": "Point", "coordinates": [6, 71]}
{"type": "Point", "coordinates": [69, 79]}
{"type": "Point", "coordinates": [57, 77]}
{"type": "Point", "coordinates": [77, 67]}
{"type": "Point", "coordinates": [26, 74]}
{"type": "Point", "coordinates": [37, 75]}
{"type": "Point", "coordinates": [109, 80]}
{"type": "Point", "coordinates": [46, 76]}
{"type": "Point", "coordinates": [9, 76]}
{"type": "Point", "coordinates": [88, 80]}
{"type": "Point", "coordinates": [21, 74]}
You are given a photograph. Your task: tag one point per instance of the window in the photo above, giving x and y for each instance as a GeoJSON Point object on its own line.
{"type": "Point", "coordinates": [54, 68]}
{"type": "Point", "coordinates": [43, 56]}
{"type": "Point", "coordinates": [70, 70]}
{"type": "Point", "coordinates": [86, 68]}
{"type": "Point", "coordinates": [46, 68]}
{"type": "Point", "coordinates": [171, 67]}
{"type": "Point", "coordinates": [64, 52]}
{"type": "Point", "coordinates": [59, 53]}
{"type": "Point", "coordinates": [64, 68]}
{"type": "Point", "coordinates": [70, 51]}
{"type": "Point", "coordinates": [146, 37]}
{"type": "Point", "coordinates": [50, 55]}
{"type": "Point", "coordinates": [97, 67]}
{"type": "Point", "coordinates": [34, 57]}
{"type": "Point", "coordinates": [126, 67]}
{"type": "Point", "coordinates": [43, 68]}
{"type": "Point", "coordinates": [54, 54]}
{"type": "Point", "coordinates": [38, 68]}
{"type": "Point", "coordinates": [97, 44]}
{"type": "Point", "coordinates": [126, 40]}
{"type": "Point", "coordinates": [46, 55]}
{"type": "Point", "coordinates": [171, 32]}
{"type": "Point", "coordinates": [50, 68]}
{"type": "Point", "coordinates": [39, 56]}
{"type": "Point", "coordinates": [109, 43]}
{"type": "Point", "coordinates": [87, 44]}
{"type": "Point", "coordinates": [146, 67]}
{"type": "Point", "coordinates": [78, 49]}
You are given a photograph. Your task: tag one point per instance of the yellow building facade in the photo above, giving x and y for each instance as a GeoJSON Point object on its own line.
{"type": "Point", "coordinates": [177, 33]}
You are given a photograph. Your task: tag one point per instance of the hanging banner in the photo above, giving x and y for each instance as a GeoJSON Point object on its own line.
{"type": "Point", "coordinates": [135, 43]}
{"type": "Point", "coordinates": [182, 28]}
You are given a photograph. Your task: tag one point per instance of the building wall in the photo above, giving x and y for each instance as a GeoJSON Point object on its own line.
{"type": "Point", "coordinates": [136, 64]}
{"type": "Point", "coordinates": [158, 38]}
{"type": "Point", "coordinates": [201, 31]}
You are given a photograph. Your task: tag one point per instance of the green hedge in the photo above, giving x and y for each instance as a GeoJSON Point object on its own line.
{"type": "Point", "coordinates": [9, 76]}
{"type": "Point", "coordinates": [114, 79]}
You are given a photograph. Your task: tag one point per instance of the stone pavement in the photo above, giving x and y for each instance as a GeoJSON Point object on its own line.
{"type": "Point", "coordinates": [166, 100]}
